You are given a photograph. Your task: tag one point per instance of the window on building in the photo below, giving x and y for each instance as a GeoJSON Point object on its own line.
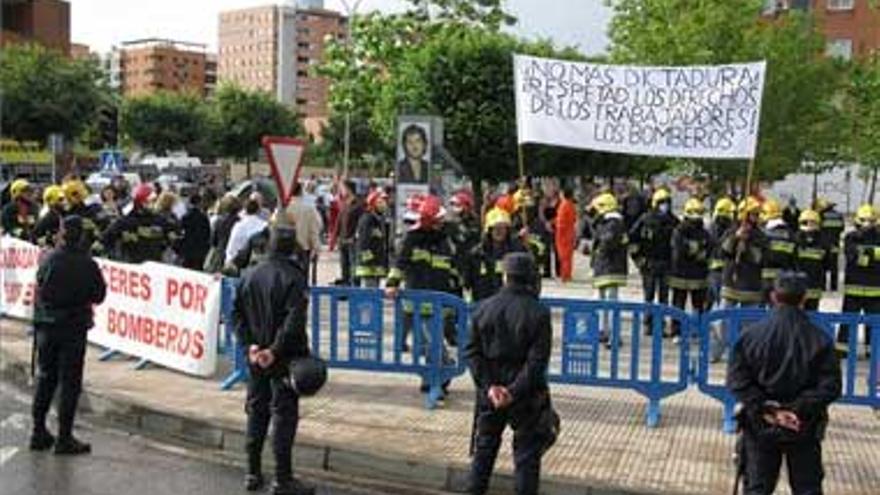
{"type": "Point", "coordinates": [302, 73]}
{"type": "Point", "coordinates": [302, 60]}
{"type": "Point", "coordinates": [303, 45]}
{"type": "Point", "coordinates": [305, 31]}
{"type": "Point", "coordinates": [841, 4]}
{"type": "Point", "coordinates": [302, 102]}
{"type": "Point", "coordinates": [840, 47]}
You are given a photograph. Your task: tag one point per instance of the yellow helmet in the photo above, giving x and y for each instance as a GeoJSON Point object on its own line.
{"type": "Point", "coordinates": [821, 204]}
{"type": "Point", "coordinates": [866, 215]}
{"type": "Point", "coordinates": [53, 195]}
{"type": "Point", "coordinates": [748, 206]}
{"type": "Point", "coordinates": [497, 216]}
{"type": "Point", "coordinates": [604, 203]}
{"type": "Point", "coordinates": [809, 216]}
{"type": "Point", "coordinates": [75, 191]}
{"type": "Point", "coordinates": [725, 207]}
{"type": "Point", "coordinates": [694, 208]}
{"type": "Point", "coordinates": [19, 187]}
{"type": "Point", "coordinates": [523, 198]}
{"type": "Point", "coordinates": [659, 196]}
{"type": "Point", "coordinates": [770, 210]}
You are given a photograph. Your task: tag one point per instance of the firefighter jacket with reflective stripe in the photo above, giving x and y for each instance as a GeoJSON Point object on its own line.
{"type": "Point", "coordinates": [781, 250]}
{"type": "Point", "coordinates": [426, 261]}
{"type": "Point", "coordinates": [741, 280]}
{"type": "Point", "coordinates": [719, 229]}
{"type": "Point", "coordinates": [691, 246]}
{"type": "Point", "coordinates": [142, 235]}
{"type": "Point", "coordinates": [485, 266]}
{"type": "Point", "coordinates": [650, 240]}
{"type": "Point", "coordinates": [95, 222]}
{"type": "Point", "coordinates": [812, 259]}
{"type": "Point", "coordinates": [862, 252]}
{"type": "Point", "coordinates": [832, 228]}
{"type": "Point", "coordinates": [372, 246]}
{"type": "Point", "coordinates": [609, 251]}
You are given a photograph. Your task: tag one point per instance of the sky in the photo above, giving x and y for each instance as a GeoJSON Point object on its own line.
{"type": "Point", "coordinates": [104, 23]}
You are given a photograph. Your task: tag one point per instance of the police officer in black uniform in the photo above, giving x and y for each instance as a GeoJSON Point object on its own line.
{"type": "Point", "coordinates": [270, 322]}
{"type": "Point", "coordinates": [785, 374]}
{"type": "Point", "coordinates": [508, 355]}
{"type": "Point", "coordinates": [69, 283]}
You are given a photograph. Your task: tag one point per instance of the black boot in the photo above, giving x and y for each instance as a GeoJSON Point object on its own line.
{"type": "Point", "coordinates": [41, 440]}
{"type": "Point", "coordinates": [292, 486]}
{"type": "Point", "coordinates": [253, 482]}
{"type": "Point", "coordinates": [72, 446]}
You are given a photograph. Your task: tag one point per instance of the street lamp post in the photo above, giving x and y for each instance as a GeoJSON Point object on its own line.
{"type": "Point", "coordinates": [350, 11]}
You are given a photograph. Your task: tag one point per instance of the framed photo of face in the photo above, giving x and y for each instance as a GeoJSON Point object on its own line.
{"type": "Point", "coordinates": [414, 150]}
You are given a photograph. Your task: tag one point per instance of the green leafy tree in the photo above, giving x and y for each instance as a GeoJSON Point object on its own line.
{"type": "Point", "coordinates": [862, 104]}
{"type": "Point", "coordinates": [45, 92]}
{"type": "Point", "coordinates": [165, 121]}
{"type": "Point", "coordinates": [240, 118]}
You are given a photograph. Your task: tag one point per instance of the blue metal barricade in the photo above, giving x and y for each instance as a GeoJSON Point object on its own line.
{"type": "Point", "coordinates": [230, 345]}
{"type": "Point", "coordinates": [603, 345]}
{"type": "Point", "coordinates": [860, 378]}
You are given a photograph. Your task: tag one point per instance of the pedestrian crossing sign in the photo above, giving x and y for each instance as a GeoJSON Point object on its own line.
{"type": "Point", "coordinates": [111, 161]}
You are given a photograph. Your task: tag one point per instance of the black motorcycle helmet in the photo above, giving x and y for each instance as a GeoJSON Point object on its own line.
{"type": "Point", "coordinates": [308, 375]}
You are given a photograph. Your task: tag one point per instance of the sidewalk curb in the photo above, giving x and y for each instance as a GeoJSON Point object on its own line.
{"type": "Point", "coordinates": [155, 423]}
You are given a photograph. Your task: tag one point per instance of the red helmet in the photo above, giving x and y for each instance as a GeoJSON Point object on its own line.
{"type": "Point", "coordinates": [431, 212]}
{"type": "Point", "coordinates": [142, 194]}
{"type": "Point", "coordinates": [463, 199]}
{"type": "Point", "coordinates": [374, 197]}
{"type": "Point", "coordinates": [506, 203]}
{"type": "Point", "coordinates": [414, 202]}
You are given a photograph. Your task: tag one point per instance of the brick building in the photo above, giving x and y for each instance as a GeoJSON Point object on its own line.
{"type": "Point", "coordinates": [46, 22]}
{"type": "Point", "coordinates": [851, 27]}
{"type": "Point", "coordinates": [149, 65]}
{"type": "Point", "coordinates": [273, 49]}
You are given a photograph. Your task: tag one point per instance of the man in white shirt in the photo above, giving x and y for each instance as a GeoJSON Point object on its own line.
{"type": "Point", "coordinates": [251, 222]}
{"type": "Point", "coordinates": [308, 226]}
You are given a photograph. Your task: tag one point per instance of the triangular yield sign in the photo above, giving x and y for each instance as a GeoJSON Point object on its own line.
{"type": "Point", "coordinates": [285, 157]}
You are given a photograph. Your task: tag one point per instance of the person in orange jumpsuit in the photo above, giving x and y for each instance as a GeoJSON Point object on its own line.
{"type": "Point", "coordinates": [566, 226]}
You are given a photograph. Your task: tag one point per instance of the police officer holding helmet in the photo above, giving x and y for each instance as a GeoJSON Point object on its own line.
{"type": "Point", "coordinates": [69, 283]}
{"type": "Point", "coordinates": [785, 374]}
{"type": "Point", "coordinates": [269, 318]}
{"type": "Point", "coordinates": [508, 355]}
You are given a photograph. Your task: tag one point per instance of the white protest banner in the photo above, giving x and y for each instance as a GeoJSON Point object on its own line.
{"type": "Point", "coordinates": [162, 313]}
{"type": "Point", "coordinates": [690, 112]}
{"type": "Point", "coordinates": [19, 261]}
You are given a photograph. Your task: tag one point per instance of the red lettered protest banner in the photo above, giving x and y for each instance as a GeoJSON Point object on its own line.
{"type": "Point", "coordinates": [19, 261]}
{"type": "Point", "coordinates": [162, 313]}
{"type": "Point", "coordinates": [158, 312]}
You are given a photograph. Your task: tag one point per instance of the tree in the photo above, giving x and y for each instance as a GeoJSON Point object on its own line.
{"type": "Point", "coordinates": [165, 121]}
{"type": "Point", "coordinates": [862, 103]}
{"type": "Point", "coordinates": [240, 118]}
{"type": "Point", "coordinates": [45, 92]}
{"type": "Point", "coordinates": [800, 82]}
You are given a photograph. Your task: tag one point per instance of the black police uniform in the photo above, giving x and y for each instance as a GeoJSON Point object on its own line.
{"type": "Point", "coordinates": [784, 362]}
{"type": "Point", "coordinates": [142, 235]}
{"type": "Point", "coordinates": [832, 228]}
{"type": "Point", "coordinates": [484, 274]}
{"type": "Point", "coordinates": [651, 240]}
{"type": "Point", "coordinates": [510, 347]}
{"type": "Point", "coordinates": [691, 248]}
{"type": "Point", "coordinates": [69, 283]}
{"type": "Point", "coordinates": [270, 312]}
{"type": "Point", "coordinates": [861, 290]}
{"type": "Point", "coordinates": [18, 218]}
{"type": "Point", "coordinates": [813, 260]}
{"type": "Point", "coordinates": [46, 228]}
{"type": "Point", "coordinates": [372, 249]}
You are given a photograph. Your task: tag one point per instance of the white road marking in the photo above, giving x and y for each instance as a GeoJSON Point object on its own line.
{"type": "Point", "coordinates": [6, 454]}
{"type": "Point", "coordinates": [16, 421]}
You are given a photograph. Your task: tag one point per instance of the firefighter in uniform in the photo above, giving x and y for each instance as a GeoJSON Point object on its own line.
{"type": "Point", "coordinates": [813, 256]}
{"type": "Point", "coordinates": [609, 251]}
{"type": "Point", "coordinates": [651, 245]}
{"type": "Point", "coordinates": [832, 228]}
{"type": "Point", "coordinates": [508, 355]}
{"type": "Point", "coordinates": [464, 225]}
{"type": "Point", "coordinates": [862, 279]}
{"type": "Point", "coordinates": [18, 216]}
{"type": "Point", "coordinates": [94, 221]}
{"type": "Point", "coordinates": [69, 284]}
{"type": "Point", "coordinates": [529, 225]}
{"type": "Point", "coordinates": [426, 261]}
{"type": "Point", "coordinates": [371, 241]}
{"type": "Point", "coordinates": [691, 246]}
{"type": "Point", "coordinates": [269, 319]}
{"type": "Point", "coordinates": [484, 276]}
{"type": "Point", "coordinates": [785, 399]}
{"type": "Point", "coordinates": [781, 244]}
{"type": "Point", "coordinates": [722, 220]}
{"type": "Point", "coordinates": [744, 249]}
{"type": "Point", "coordinates": [141, 235]}
{"type": "Point", "coordinates": [48, 224]}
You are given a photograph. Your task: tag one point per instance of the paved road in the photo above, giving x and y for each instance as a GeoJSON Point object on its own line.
{"type": "Point", "coordinates": [119, 464]}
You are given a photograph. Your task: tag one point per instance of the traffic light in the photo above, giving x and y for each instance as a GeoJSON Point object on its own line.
{"type": "Point", "coordinates": [108, 126]}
